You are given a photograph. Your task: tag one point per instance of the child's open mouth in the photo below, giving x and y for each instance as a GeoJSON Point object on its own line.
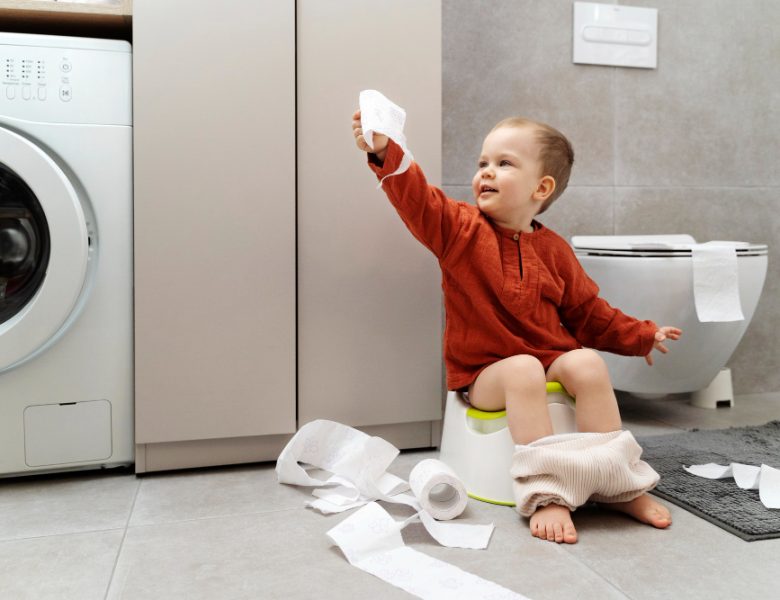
{"type": "Point", "coordinates": [486, 188]}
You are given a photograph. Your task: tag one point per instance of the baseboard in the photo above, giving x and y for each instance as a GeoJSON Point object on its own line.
{"type": "Point", "coordinates": [191, 454]}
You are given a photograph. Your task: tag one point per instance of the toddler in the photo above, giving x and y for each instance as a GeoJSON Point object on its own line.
{"type": "Point", "coordinates": [519, 309]}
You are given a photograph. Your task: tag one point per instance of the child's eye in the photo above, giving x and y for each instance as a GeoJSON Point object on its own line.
{"type": "Point", "coordinates": [506, 163]}
{"type": "Point", "coordinates": [481, 164]}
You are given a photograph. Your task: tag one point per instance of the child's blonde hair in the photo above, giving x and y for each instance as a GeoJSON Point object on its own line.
{"type": "Point", "coordinates": [556, 154]}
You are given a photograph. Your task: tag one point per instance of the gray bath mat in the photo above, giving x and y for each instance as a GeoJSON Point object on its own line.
{"type": "Point", "coordinates": [719, 501]}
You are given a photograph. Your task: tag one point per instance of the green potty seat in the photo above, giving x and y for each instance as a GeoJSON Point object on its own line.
{"type": "Point", "coordinates": [477, 445]}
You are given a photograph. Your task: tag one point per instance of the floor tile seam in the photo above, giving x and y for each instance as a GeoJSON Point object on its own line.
{"type": "Point", "coordinates": [124, 536]}
{"type": "Point", "coordinates": [213, 517]}
{"type": "Point", "coordinates": [698, 427]}
{"type": "Point", "coordinates": [61, 534]}
{"type": "Point", "coordinates": [598, 574]}
{"type": "Point", "coordinates": [628, 421]}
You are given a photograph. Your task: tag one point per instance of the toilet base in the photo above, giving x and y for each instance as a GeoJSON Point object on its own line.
{"type": "Point", "coordinates": [718, 394]}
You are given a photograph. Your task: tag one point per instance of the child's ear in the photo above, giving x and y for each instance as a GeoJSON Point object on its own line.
{"type": "Point", "coordinates": [545, 188]}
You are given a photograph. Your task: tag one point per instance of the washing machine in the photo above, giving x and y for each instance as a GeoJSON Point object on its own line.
{"type": "Point", "coordinates": [66, 320]}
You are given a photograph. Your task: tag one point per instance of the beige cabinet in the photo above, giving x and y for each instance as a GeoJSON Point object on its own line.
{"type": "Point", "coordinates": [214, 147]}
{"type": "Point", "coordinates": [369, 295]}
{"type": "Point", "coordinates": [274, 284]}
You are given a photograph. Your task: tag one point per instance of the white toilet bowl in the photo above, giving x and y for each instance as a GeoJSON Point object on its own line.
{"type": "Point", "coordinates": [651, 277]}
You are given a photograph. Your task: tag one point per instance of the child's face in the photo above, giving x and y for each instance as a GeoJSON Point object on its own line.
{"type": "Point", "coordinates": [508, 175]}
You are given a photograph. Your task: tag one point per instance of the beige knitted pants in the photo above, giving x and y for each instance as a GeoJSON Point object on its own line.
{"type": "Point", "coordinates": [572, 468]}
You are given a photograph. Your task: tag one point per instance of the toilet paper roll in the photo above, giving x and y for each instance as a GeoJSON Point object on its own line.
{"type": "Point", "coordinates": [379, 115]}
{"type": "Point", "coordinates": [716, 282]}
{"type": "Point", "coordinates": [438, 489]}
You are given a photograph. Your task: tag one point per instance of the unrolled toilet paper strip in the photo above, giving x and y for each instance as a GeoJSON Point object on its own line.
{"type": "Point", "coordinates": [358, 464]}
{"type": "Point", "coordinates": [356, 460]}
{"type": "Point", "coordinates": [716, 282]}
{"type": "Point", "coordinates": [380, 115]}
{"type": "Point", "coordinates": [765, 479]}
{"type": "Point", "coordinates": [371, 541]}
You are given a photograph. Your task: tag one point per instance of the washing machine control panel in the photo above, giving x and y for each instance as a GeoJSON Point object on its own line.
{"type": "Point", "coordinates": [29, 79]}
{"type": "Point", "coordinates": [65, 85]}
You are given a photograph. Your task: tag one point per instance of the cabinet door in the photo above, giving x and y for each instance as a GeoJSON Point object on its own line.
{"type": "Point", "coordinates": [214, 112]}
{"type": "Point", "coordinates": [369, 298]}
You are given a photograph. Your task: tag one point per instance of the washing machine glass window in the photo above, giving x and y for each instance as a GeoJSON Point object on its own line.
{"type": "Point", "coordinates": [24, 243]}
{"type": "Point", "coordinates": [55, 299]}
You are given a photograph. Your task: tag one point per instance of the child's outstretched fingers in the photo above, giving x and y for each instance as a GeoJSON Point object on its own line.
{"type": "Point", "coordinates": [673, 333]}
{"type": "Point", "coordinates": [380, 141]}
{"type": "Point", "coordinates": [357, 131]}
{"type": "Point", "coordinates": [663, 333]}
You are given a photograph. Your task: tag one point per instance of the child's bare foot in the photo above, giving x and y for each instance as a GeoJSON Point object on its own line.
{"type": "Point", "coordinates": [553, 523]}
{"type": "Point", "coordinates": [644, 509]}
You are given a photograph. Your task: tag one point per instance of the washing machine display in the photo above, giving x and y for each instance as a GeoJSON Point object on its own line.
{"type": "Point", "coordinates": [66, 354]}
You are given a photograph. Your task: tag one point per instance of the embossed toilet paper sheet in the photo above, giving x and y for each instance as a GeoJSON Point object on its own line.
{"type": "Point", "coordinates": [765, 479]}
{"type": "Point", "coordinates": [716, 282]}
{"type": "Point", "coordinates": [371, 541]}
{"type": "Point", "coordinates": [379, 115]}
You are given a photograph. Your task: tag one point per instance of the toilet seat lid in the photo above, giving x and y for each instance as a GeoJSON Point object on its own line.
{"type": "Point", "coordinates": [650, 245]}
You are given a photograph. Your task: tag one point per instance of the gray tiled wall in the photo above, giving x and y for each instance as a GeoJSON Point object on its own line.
{"type": "Point", "coordinates": [689, 147]}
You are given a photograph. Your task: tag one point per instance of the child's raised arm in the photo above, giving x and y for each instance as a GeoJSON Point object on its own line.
{"type": "Point", "coordinates": [380, 141]}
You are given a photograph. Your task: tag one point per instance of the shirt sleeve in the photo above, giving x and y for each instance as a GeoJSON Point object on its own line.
{"type": "Point", "coordinates": [596, 324]}
{"type": "Point", "coordinates": [425, 209]}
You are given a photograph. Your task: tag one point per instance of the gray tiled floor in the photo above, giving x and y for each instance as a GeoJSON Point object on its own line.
{"type": "Point", "coordinates": [234, 532]}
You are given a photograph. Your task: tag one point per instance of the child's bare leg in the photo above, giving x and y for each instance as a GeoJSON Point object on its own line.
{"type": "Point", "coordinates": [585, 376]}
{"type": "Point", "coordinates": [518, 384]}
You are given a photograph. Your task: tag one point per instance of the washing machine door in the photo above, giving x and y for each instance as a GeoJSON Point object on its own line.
{"type": "Point", "coordinates": [44, 250]}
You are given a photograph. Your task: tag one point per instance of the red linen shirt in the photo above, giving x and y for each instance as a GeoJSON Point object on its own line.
{"type": "Point", "coordinates": [505, 292]}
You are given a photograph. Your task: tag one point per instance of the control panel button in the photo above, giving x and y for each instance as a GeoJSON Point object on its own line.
{"type": "Point", "coordinates": [66, 93]}
{"type": "Point", "coordinates": [41, 92]}
{"type": "Point", "coordinates": [10, 92]}
{"type": "Point", "coordinates": [66, 67]}
{"type": "Point", "coordinates": [26, 92]}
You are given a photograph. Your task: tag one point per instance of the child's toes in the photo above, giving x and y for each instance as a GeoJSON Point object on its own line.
{"type": "Point", "coordinates": [661, 517]}
{"type": "Point", "coordinates": [558, 531]}
{"type": "Point", "coordinates": [569, 533]}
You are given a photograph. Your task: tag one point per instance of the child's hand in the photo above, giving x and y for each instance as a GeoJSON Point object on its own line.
{"type": "Point", "coordinates": [380, 141]}
{"type": "Point", "coordinates": [664, 333]}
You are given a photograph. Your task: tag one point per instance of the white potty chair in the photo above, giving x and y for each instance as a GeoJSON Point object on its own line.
{"type": "Point", "coordinates": [478, 447]}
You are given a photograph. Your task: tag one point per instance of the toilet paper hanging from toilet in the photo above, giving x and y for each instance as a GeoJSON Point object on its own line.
{"type": "Point", "coordinates": [716, 281]}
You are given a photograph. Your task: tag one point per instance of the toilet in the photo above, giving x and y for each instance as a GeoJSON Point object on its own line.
{"type": "Point", "coordinates": [651, 277]}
